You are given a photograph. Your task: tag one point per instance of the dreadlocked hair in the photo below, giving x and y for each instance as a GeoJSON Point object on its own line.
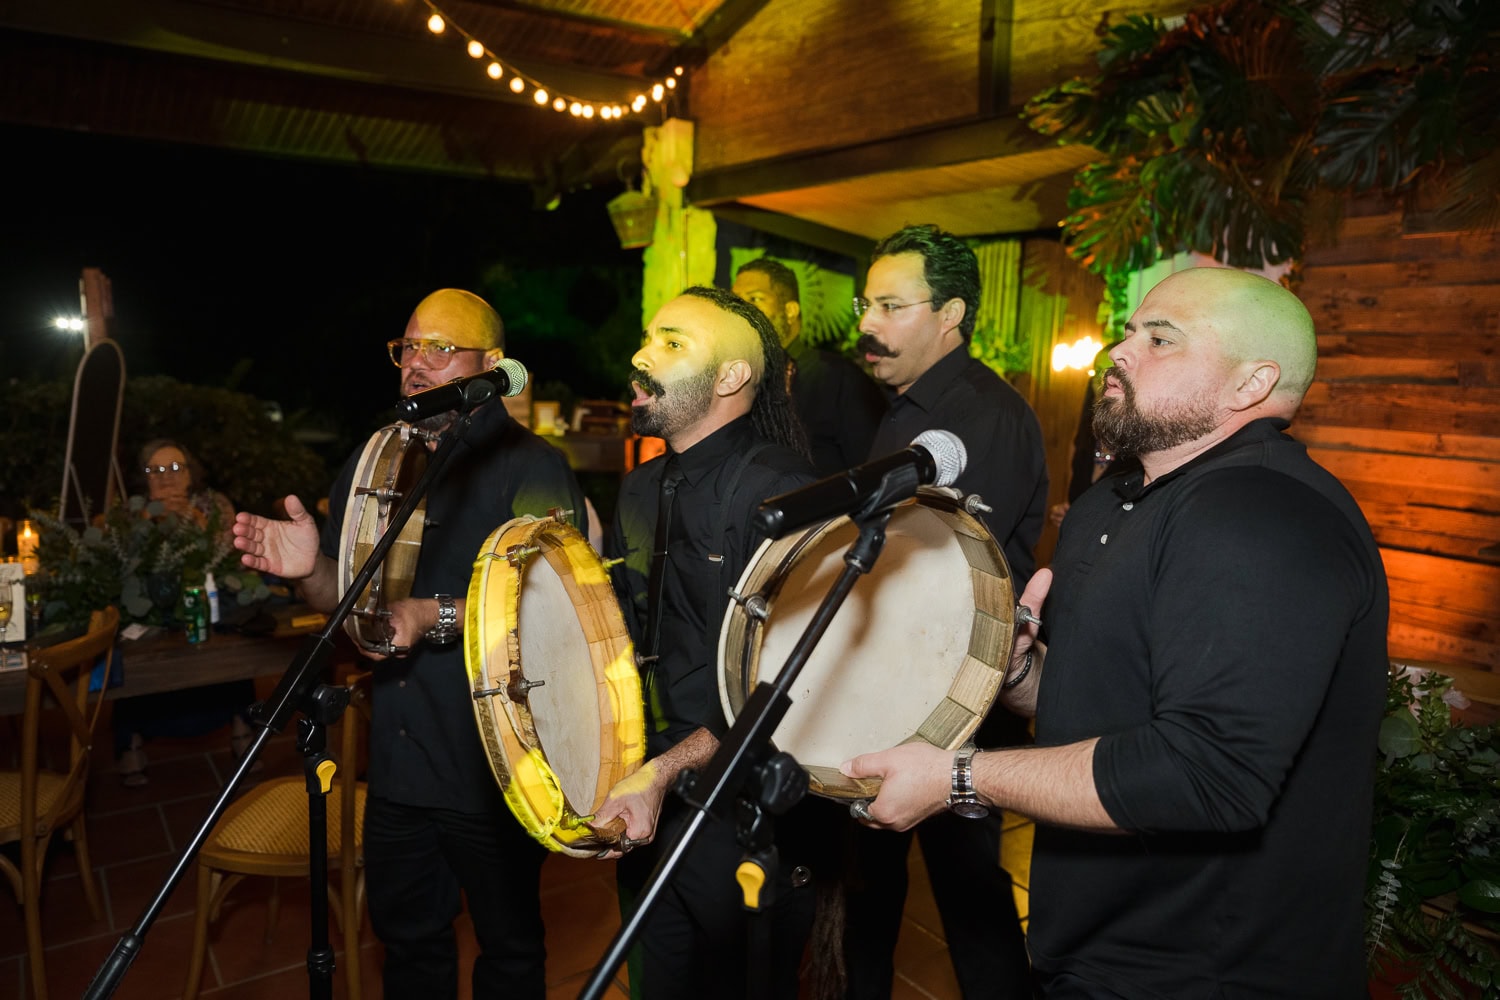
{"type": "Point", "coordinates": [771, 412]}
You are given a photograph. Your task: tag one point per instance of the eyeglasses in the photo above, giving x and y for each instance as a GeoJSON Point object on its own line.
{"type": "Point", "coordinates": [157, 470]}
{"type": "Point", "coordinates": [863, 305]}
{"type": "Point", "coordinates": [434, 352]}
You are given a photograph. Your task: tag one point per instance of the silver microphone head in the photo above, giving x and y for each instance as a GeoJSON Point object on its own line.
{"type": "Point", "coordinates": [516, 377]}
{"type": "Point", "coordinates": [948, 454]}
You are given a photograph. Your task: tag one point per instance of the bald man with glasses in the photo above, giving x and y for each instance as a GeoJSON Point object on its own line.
{"type": "Point", "coordinates": [436, 828]}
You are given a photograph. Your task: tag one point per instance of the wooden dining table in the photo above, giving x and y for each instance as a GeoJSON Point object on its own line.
{"type": "Point", "coordinates": [166, 661]}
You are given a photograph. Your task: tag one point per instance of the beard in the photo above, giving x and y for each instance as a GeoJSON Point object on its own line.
{"type": "Point", "coordinates": [1122, 426]}
{"type": "Point", "coordinates": [672, 407]}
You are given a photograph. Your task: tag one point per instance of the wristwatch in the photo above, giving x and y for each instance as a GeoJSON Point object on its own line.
{"type": "Point", "coordinates": [964, 800]}
{"type": "Point", "coordinates": [446, 629]}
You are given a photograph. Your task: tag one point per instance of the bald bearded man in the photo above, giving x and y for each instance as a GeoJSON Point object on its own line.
{"type": "Point", "coordinates": [435, 823]}
{"type": "Point", "coordinates": [1207, 706]}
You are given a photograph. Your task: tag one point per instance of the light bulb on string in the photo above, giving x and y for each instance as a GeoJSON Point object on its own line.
{"type": "Point", "coordinates": [588, 111]}
{"type": "Point", "coordinates": [476, 48]}
{"type": "Point", "coordinates": [559, 105]}
{"type": "Point", "coordinates": [657, 92]}
{"type": "Point", "coordinates": [495, 70]}
{"type": "Point", "coordinates": [676, 70]}
{"type": "Point", "coordinates": [575, 109]}
{"type": "Point", "coordinates": [517, 84]}
{"type": "Point", "coordinates": [639, 103]}
{"type": "Point", "coordinates": [671, 83]}
{"type": "Point", "coordinates": [540, 96]}
{"type": "Point", "coordinates": [436, 24]}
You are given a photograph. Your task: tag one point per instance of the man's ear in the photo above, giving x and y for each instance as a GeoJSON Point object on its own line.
{"type": "Point", "coordinates": [1257, 380]}
{"type": "Point", "coordinates": [953, 313]}
{"type": "Point", "coordinates": [793, 310]}
{"type": "Point", "coordinates": [493, 357]}
{"type": "Point", "coordinates": [733, 376]}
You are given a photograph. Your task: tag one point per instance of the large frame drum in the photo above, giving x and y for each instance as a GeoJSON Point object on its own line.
{"type": "Point", "coordinates": [557, 696]}
{"type": "Point", "coordinates": [393, 460]}
{"type": "Point", "coordinates": [917, 651]}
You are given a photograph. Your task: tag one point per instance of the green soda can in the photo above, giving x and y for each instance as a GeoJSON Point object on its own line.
{"type": "Point", "coordinates": [195, 614]}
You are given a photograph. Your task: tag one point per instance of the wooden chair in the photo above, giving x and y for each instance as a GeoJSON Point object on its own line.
{"type": "Point", "coordinates": [35, 801]}
{"type": "Point", "coordinates": [264, 832]}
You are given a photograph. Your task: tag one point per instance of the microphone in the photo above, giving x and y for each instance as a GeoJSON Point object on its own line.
{"type": "Point", "coordinates": [463, 394]}
{"type": "Point", "coordinates": [935, 458]}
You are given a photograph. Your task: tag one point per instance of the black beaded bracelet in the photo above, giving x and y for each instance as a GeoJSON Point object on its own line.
{"type": "Point", "coordinates": [1011, 682]}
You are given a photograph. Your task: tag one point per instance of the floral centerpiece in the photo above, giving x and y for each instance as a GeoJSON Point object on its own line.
{"type": "Point", "coordinates": [1433, 901]}
{"type": "Point", "coordinates": [138, 557]}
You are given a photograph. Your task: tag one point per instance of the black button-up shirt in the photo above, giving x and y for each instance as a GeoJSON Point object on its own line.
{"type": "Point", "coordinates": [700, 566]}
{"type": "Point", "coordinates": [840, 407]}
{"type": "Point", "coordinates": [425, 748]}
{"type": "Point", "coordinates": [1007, 463]}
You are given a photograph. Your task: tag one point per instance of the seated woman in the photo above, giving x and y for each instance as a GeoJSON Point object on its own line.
{"type": "Point", "coordinates": [174, 480]}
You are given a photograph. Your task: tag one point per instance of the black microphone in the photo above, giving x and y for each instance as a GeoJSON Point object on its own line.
{"type": "Point", "coordinates": [463, 394]}
{"type": "Point", "coordinates": [935, 458]}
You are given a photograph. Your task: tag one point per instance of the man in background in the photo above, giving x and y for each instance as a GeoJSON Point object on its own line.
{"type": "Point", "coordinates": [839, 406]}
{"type": "Point", "coordinates": [436, 830]}
{"type": "Point", "coordinates": [916, 318]}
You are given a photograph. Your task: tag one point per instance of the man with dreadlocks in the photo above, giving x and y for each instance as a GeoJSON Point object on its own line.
{"type": "Point", "coordinates": [708, 379]}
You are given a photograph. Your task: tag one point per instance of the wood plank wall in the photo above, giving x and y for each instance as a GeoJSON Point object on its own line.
{"type": "Point", "coordinates": [1406, 412]}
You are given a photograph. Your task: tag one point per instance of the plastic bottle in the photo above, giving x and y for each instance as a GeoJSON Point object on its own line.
{"type": "Point", "coordinates": [212, 590]}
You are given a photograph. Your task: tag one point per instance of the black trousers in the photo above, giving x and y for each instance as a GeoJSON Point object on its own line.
{"type": "Point", "coordinates": [694, 944]}
{"type": "Point", "coordinates": [974, 900]}
{"type": "Point", "coordinates": [417, 861]}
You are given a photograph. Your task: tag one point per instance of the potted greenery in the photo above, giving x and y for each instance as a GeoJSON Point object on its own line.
{"type": "Point", "coordinates": [137, 557]}
{"type": "Point", "coordinates": [1433, 899]}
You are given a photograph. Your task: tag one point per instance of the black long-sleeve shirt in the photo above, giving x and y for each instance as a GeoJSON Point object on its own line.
{"type": "Point", "coordinates": [700, 567]}
{"type": "Point", "coordinates": [425, 748]}
{"type": "Point", "coordinates": [1007, 462]}
{"type": "Point", "coordinates": [1222, 632]}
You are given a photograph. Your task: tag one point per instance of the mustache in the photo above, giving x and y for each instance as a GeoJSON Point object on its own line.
{"type": "Point", "coordinates": [646, 382]}
{"type": "Point", "coordinates": [867, 344]}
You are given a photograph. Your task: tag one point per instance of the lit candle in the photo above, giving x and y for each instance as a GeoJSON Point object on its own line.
{"type": "Point", "coordinates": [26, 539]}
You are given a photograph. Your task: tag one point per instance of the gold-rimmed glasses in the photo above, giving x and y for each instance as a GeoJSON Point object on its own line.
{"type": "Point", "coordinates": [435, 352]}
{"type": "Point", "coordinates": [863, 305]}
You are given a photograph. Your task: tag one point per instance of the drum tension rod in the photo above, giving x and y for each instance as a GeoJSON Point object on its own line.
{"type": "Point", "coordinates": [367, 613]}
{"type": "Point", "coordinates": [517, 555]}
{"type": "Point", "coordinates": [380, 493]}
{"type": "Point", "coordinates": [755, 605]}
{"type": "Point", "coordinates": [559, 514]}
{"type": "Point", "coordinates": [974, 504]}
{"type": "Point", "coordinates": [520, 688]}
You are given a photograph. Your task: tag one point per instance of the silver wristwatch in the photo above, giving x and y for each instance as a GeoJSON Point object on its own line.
{"type": "Point", "coordinates": [446, 629]}
{"type": "Point", "coordinates": [964, 800]}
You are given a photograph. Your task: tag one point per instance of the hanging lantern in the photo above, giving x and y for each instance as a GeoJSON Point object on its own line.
{"type": "Point", "coordinates": [634, 218]}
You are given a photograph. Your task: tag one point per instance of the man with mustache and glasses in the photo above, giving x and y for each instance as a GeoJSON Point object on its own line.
{"type": "Point", "coordinates": [1208, 699]}
{"type": "Point", "coordinates": [915, 319]}
{"type": "Point", "coordinates": [709, 379]}
{"type": "Point", "coordinates": [435, 823]}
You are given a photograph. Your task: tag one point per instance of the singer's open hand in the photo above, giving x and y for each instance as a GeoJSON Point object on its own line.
{"type": "Point", "coordinates": [287, 549]}
{"type": "Point", "coordinates": [915, 779]}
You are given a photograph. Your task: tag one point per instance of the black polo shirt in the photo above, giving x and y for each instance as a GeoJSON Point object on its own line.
{"type": "Point", "coordinates": [1007, 463]}
{"type": "Point", "coordinates": [425, 749]}
{"type": "Point", "coordinates": [700, 569]}
{"type": "Point", "coordinates": [1222, 631]}
{"type": "Point", "coordinates": [839, 405]}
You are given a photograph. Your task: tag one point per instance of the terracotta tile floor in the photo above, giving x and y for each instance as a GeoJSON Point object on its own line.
{"type": "Point", "coordinates": [136, 834]}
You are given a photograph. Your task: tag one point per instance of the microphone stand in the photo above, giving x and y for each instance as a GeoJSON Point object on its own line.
{"type": "Point", "coordinates": [743, 760]}
{"type": "Point", "coordinates": [299, 690]}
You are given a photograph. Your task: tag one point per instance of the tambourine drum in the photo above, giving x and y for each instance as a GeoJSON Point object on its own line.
{"type": "Point", "coordinates": [916, 652]}
{"type": "Point", "coordinates": [556, 693]}
{"type": "Point", "coordinates": [393, 460]}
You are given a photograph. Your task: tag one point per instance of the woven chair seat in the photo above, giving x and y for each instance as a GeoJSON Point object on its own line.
{"type": "Point", "coordinates": [274, 821]}
{"type": "Point", "coordinates": [49, 786]}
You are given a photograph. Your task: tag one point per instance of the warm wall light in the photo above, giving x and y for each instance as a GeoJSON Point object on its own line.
{"type": "Point", "coordinates": [1078, 356]}
{"type": "Point", "coordinates": [72, 323]}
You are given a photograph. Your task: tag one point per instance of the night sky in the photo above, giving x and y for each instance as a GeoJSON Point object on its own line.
{"type": "Point", "coordinates": [284, 278]}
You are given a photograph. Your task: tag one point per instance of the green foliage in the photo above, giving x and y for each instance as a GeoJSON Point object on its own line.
{"type": "Point", "coordinates": [137, 557]}
{"type": "Point", "coordinates": [1221, 133]}
{"type": "Point", "coordinates": [1436, 839]}
{"type": "Point", "coordinates": [245, 455]}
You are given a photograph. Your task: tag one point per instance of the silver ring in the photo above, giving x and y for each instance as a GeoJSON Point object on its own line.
{"type": "Point", "coordinates": [860, 809]}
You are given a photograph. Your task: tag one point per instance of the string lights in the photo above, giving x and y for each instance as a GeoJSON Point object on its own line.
{"type": "Point", "coordinates": [499, 70]}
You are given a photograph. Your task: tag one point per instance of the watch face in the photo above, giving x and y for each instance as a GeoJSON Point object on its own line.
{"type": "Point", "coordinates": [970, 810]}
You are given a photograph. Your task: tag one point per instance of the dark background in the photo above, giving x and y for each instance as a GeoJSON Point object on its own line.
{"type": "Point", "coordinates": [284, 279]}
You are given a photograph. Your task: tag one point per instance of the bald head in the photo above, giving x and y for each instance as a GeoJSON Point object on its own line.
{"type": "Point", "coordinates": [1254, 320]}
{"type": "Point", "coordinates": [459, 317]}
